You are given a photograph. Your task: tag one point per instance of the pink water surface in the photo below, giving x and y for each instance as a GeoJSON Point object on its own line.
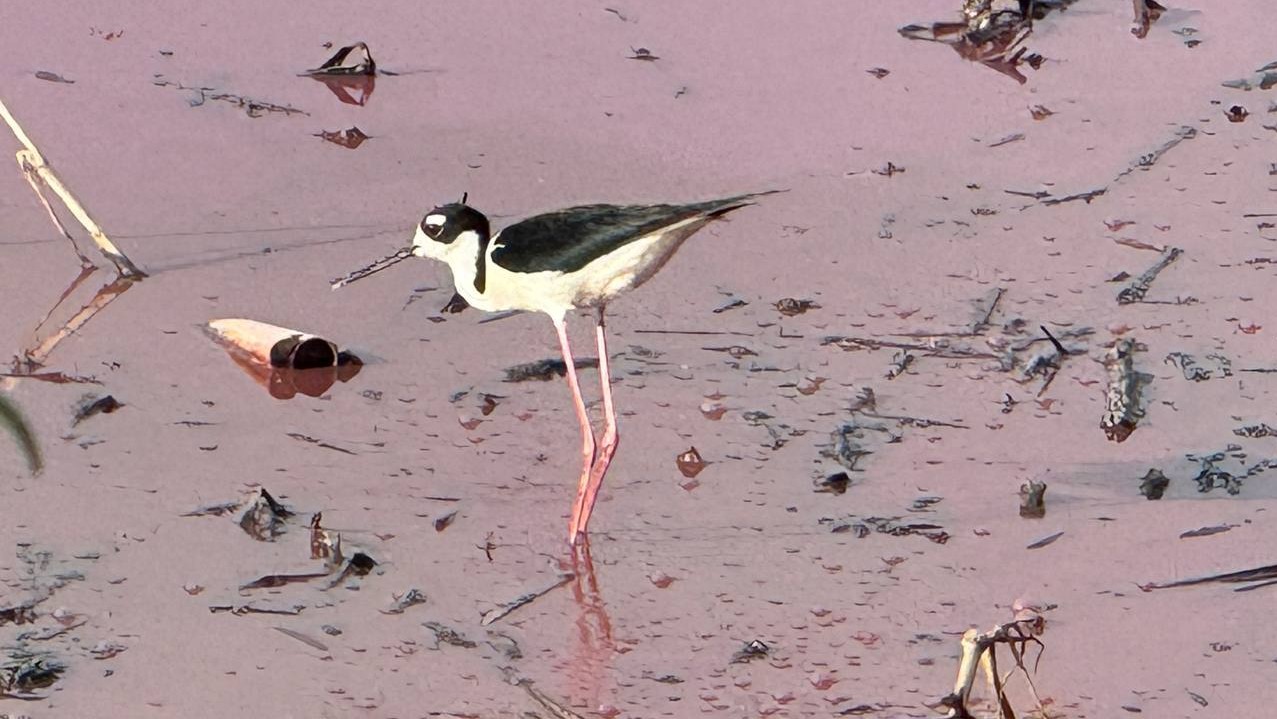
{"type": "Point", "coordinates": [534, 106]}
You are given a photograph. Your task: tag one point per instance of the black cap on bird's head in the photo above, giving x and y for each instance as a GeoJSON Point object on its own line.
{"type": "Point", "coordinates": [444, 224]}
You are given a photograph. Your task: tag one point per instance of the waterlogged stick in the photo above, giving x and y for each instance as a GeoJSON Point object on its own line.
{"type": "Point", "coordinates": [978, 652]}
{"type": "Point", "coordinates": [38, 172]}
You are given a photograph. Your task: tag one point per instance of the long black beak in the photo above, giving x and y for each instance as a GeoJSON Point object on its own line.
{"type": "Point", "coordinates": [374, 268]}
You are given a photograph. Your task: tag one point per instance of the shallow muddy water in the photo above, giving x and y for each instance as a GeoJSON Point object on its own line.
{"type": "Point", "coordinates": [941, 209]}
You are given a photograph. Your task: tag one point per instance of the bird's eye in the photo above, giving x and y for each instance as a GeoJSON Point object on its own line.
{"type": "Point", "coordinates": [432, 225]}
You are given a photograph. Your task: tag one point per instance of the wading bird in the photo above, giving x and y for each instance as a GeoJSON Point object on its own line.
{"type": "Point", "coordinates": [570, 259]}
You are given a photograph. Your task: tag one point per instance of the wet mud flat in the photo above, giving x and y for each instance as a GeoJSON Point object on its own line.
{"type": "Point", "coordinates": [1000, 361]}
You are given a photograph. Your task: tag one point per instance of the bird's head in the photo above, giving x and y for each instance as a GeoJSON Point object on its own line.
{"type": "Point", "coordinates": [447, 227]}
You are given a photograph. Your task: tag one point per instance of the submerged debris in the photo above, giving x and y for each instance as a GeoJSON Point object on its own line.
{"type": "Point", "coordinates": [845, 447]}
{"type": "Point", "coordinates": [1262, 576]}
{"type": "Point", "coordinates": [1211, 476]}
{"type": "Point", "coordinates": [1123, 407]}
{"type": "Point", "coordinates": [1197, 373]}
{"type": "Point", "coordinates": [410, 598]}
{"type": "Point", "coordinates": [447, 635]}
{"type": "Point", "coordinates": [894, 526]}
{"type": "Point", "coordinates": [1136, 291]}
{"type": "Point", "coordinates": [1265, 78]}
{"type": "Point", "coordinates": [1153, 484]}
{"type": "Point", "coordinates": [252, 107]}
{"type": "Point", "coordinates": [495, 615]}
{"type": "Point", "coordinates": [546, 370]}
{"type": "Point", "coordinates": [790, 307]}
{"type": "Point", "coordinates": [23, 673]}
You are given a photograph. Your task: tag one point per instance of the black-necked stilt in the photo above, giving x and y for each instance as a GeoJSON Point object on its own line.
{"type": "Point", "coordinates": [576, 258]}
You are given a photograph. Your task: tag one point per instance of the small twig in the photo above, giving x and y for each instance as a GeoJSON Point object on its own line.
{"type": "Point", "coordinates": [1136, 291]}
{"type": "Point", "coordinates": [691, 332]}
{"type": "Point", "coordinates": [557, 710]}
{"type": "Point", "coordinates": [982, 322]}
{"type": "Point", "coordinates": [495, 615]}
{"type": "Point", "coordinates": [1084, 196]}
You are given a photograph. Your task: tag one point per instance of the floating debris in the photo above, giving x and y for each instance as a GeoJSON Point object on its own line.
{"type": "Point", "coordinates": [836, 483]}
{"type": "Point", "coordinates": [992, 33]}
{"type": "Point", "coordinates": [1047, 540]}
{"type": "Point", "coordinates": [1255, 431]}
{"type": "Point", "coordinates": [643, 54]}
{"type": "Point", "coordinates": [1153, 484]}
{"type": "Point", "coordinates": [445, 521]}
{"type": "Point", "coordinates": [1033, 500]}
{"type": "Point", "coordinates": [878, 72]}
{"type": "Point", "coordinates": [690, 463]}
{"type": "Point", "coordinates": [92, 404]}
{"type": "Point", "coordinates": [1123, 408]}
{"type": "Point", "coordinates": [284, 361]}
{"type": "Point", "coordinates": [1206, 531]}
{"type": "Point", "coordinates": [350, 60]}
{"type": "Point", "coordinates": [754, 649]}
{"type": "Point", "coordinates": [349, 138]}
{"type": "Point", "coordinates": [1236, 113]}
{"type": "Point", "coordinates": [900, 362]}
{"type": "Point", "coordinates": [52, 77]}
{"type": "Point", "coordinates": [791, 307]}
{"type": "Point", "coordinates": [265, 518]}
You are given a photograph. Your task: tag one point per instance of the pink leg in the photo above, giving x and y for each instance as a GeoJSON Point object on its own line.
{"type": "Point", "coordinates": [607, 445]}
{"type": "Point", "coordinates": [587, 433]}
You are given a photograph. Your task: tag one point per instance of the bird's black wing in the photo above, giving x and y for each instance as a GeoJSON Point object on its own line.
{"type": "Point", "coordinates": [567, 240]}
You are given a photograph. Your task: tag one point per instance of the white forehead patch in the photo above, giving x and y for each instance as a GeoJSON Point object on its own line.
{"type": "Point", "coordinates": [435, 219]}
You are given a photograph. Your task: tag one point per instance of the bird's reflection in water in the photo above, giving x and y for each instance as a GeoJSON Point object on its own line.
{"type": "Point", "coordinates": [590, 653]}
